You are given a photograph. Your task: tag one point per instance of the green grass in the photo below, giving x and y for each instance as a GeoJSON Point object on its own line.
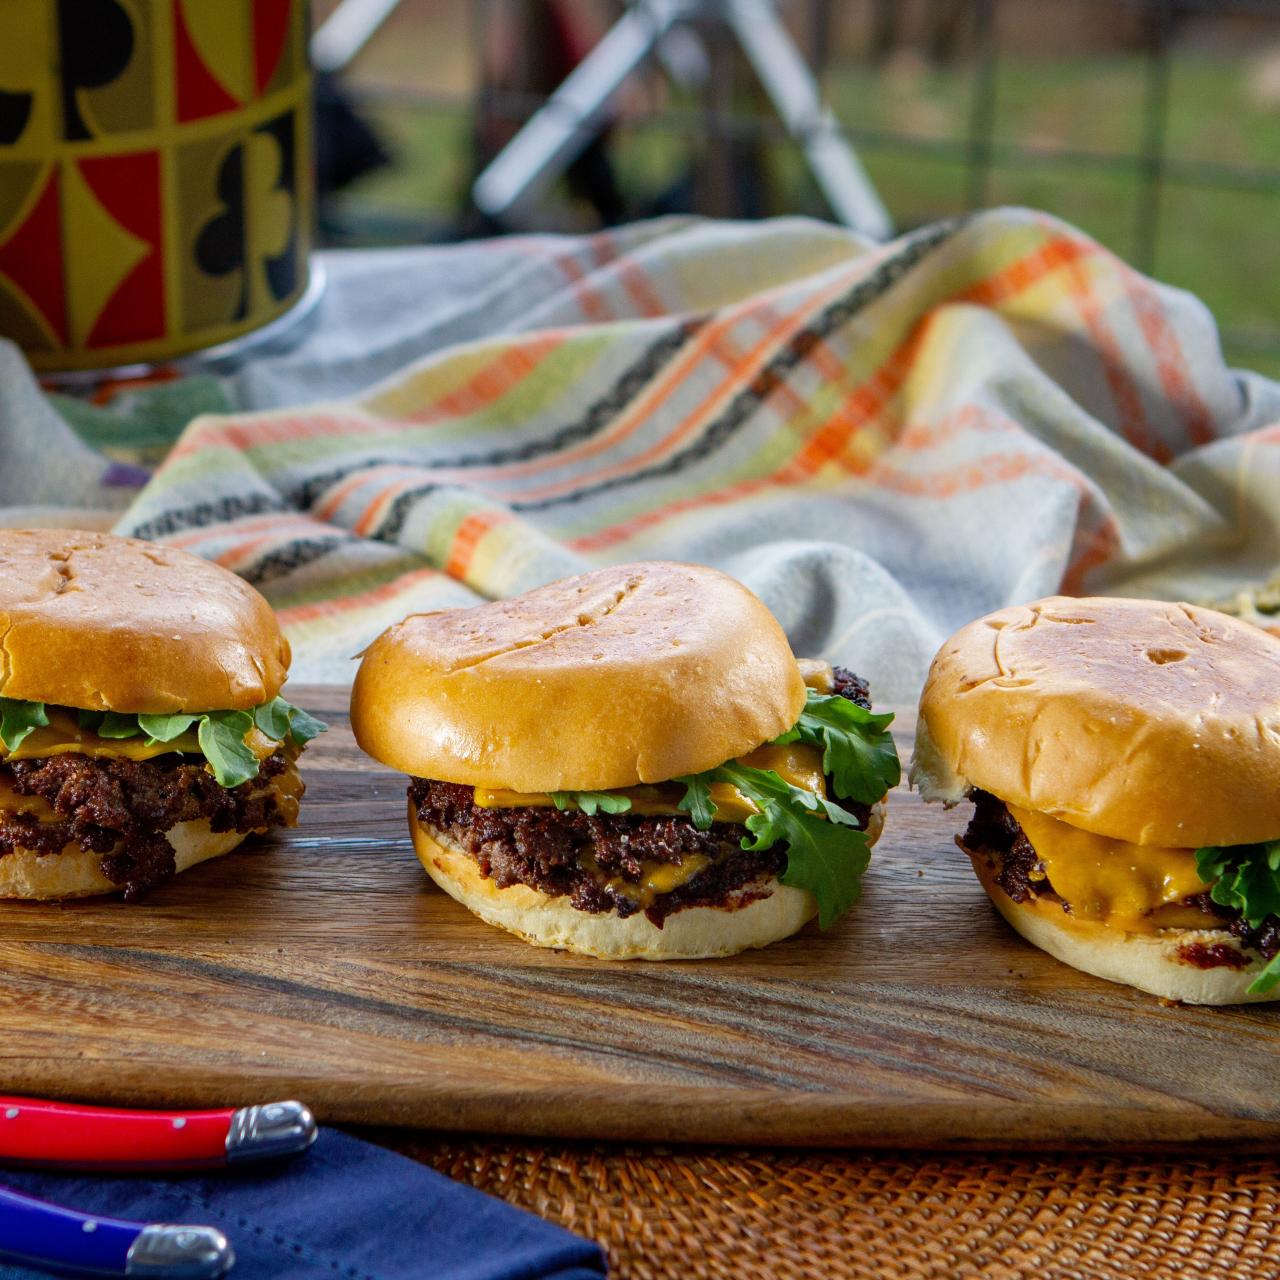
{"type": "Point", "coordinates": [1216, 243]}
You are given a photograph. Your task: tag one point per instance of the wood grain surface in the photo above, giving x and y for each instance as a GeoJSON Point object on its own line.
{"type": "Point", "coordinates": [322, 964]}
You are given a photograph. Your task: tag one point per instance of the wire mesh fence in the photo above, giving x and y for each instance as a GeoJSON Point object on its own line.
{"type": "Point", "coordinates": [1153, 124]}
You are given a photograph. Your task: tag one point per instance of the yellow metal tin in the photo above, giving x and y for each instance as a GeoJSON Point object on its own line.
{"type": "Point", "coordinates": [155, 175]}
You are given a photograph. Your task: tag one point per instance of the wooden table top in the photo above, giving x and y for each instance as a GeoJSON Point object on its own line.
{"type": "Point", "coordinates": [323, 964]}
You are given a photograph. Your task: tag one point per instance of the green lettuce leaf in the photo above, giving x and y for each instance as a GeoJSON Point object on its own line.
{"type": "Point", "coordinates": [591, 802]}
{"type": "Point", "coordinates": [857, 749]}
{"type": "Point", "coordinates": [1246, 877]}
{"type": "Point", "coordinates": [18, 719]}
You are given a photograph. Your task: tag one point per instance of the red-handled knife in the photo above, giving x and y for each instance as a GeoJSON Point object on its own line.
{"type": "Point", "coordinates": [33, 1131]}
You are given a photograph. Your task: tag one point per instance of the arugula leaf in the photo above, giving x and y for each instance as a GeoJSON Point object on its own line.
{"type": "Point", "coordinates": [1243, 876]}
{"type": "Point", "coordinates": [697, 802]}
{"type": "Point", "coordinates": [273, 718]}
{"type": "Point", "coordinates": [279, 719]}
{"type": "Point", "coordinates": [825, 854]}
{"type": "Point", "coordinates": [591, 802]}
{"type": "Point", "coordinates": [221, 733]}
{"type": "Point", "coordinates": [164, 728]}
{"type": "Point", "coordinates": [18, 719]}
{"type": "Point", "coordinates": [222, 741]}
{"type": "Point", "coordinates": [302, 727]}
{"type": "Point", "coordinates": [1246, 877]}
{"type": "Point", "coordinates": [116, 724]}
{"type": "Point", "coordinates": [857, 749]}
{"type": "Point", "coordinates": [1267, 978]}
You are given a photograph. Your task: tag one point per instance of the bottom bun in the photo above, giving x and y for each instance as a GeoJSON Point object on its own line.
{"type": "Point", "coordinates": [77, 873]}
{"type": "Point", "coordinates": [696, 933]}
{"type": "Point", "coordinates": [1149, 961]}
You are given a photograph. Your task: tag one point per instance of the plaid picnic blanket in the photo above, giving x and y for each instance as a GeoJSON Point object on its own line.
{"type": "Point", "coordinates": [882, 440]}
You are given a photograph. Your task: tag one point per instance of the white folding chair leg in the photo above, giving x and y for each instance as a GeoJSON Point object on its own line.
{"type": "Point", "coordinates": [346, 31]}
{"type": "Point", "coordinates": [561, 128]}
{"type": "Point", "coordinates": [789, 82]}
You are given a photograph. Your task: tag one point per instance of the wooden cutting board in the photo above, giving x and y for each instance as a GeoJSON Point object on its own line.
{"type": "Point", "coordinates": [322, 964]}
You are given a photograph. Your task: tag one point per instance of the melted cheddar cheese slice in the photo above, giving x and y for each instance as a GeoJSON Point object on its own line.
{"type": "Point", "coordinates": [63, 735]}
{"type": "Point", "coordinates": [1112, 882]}
{"type": "Point", "coordinates": [796, 763]}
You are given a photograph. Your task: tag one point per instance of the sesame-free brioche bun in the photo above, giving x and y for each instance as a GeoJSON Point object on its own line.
{"type": "Point", "coordinates": [1144, 721]}
{"type": "Point", "coordinates": [116, 624]}
{"type": "Point", "coordinates": [77, 873]}
{"type": "Point", "coordinates": [1152, 962]}
{"type": "Point", "coordinates": [696, 933]}
{"type": "Point", "coordinates": [626, 675]}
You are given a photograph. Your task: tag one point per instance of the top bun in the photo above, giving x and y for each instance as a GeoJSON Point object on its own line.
{"type": "Point", "coordinates": [1145, 721]}
{"type": "Point", "coordinates": [626, 675]}
{"type": "Point", "coordinates": [115, 624]}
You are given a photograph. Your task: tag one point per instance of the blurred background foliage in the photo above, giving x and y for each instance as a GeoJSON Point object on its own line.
{"type": "Point", "coordinates": [1152, 124]}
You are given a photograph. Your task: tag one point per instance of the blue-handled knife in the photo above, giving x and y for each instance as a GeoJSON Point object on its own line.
{"type": "Point", "coordinates": [48, 1237]}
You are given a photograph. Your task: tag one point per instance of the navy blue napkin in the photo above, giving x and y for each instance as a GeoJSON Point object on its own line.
{"type": "Point", "coordinates": [346, 1210]}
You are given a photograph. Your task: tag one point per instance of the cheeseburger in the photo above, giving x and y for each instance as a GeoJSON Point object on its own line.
{"type": "Point", "coordinates": [630, 763]}
{"type": "Point", "coordinates": [1122, 758]}
{"type": "Point", "coordinates": [141, 727]}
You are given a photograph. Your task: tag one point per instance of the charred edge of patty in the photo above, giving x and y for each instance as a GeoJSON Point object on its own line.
{"type": "Point", "coordinates": [543, 848]}
{"type": "Point", "coordinates": [994, 833]}
{"type": "Point", "coordinates": [121, 809]}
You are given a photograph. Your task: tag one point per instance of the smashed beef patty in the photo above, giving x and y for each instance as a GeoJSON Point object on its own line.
{"type": "Point", "coordinates": [995, 834]}
{"type": "Point", "coordinates": [544, 847]}
{"type": "Point", "coordinates": [122, 808]}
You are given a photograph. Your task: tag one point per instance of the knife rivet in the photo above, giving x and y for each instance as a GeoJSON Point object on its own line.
{"type": "Point", "coordinates": [11, 1113]}
{"type": "Point", "coordinates": [89, 1226]}
{"type": "Point", "coordinates": [180, 1122]}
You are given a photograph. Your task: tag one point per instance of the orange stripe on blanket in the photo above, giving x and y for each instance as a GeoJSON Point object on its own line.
{"type": "Point", "coordinates": [869, 398]}
{"type": "Point", "coordinates": [1171, 363]}
{"type": "Point", "coordinates": [1100, 546]}
{"type": "Point", "coordinates": [468, 537]}
{"type": "Point", "coordinates": [489, 384]}
{"type": "Point", "coordinates": [590, 303]}
{"type": "Point", "coordinates": [635, 281]}
{"type": "Point", "coordinates": [249, 524]}
{"type": "Point", "coordinates": [252, 433]}
{"type": "Point", "coordinates": [1124, 391]}
{"type": "Point", "coordinates": [865, 400]}
{"type": "Point", "coordinates": [351, 484]}
{"type": "Point", "coordinates": [372, 513]}
{"type": "Point", "coordinates": [284, 531]}
{"type": "Point", "coordinates": [859, 408]}
{"type": "Point", "coordinates": [1008, 282]}
{"type": "Point", "coordinates": [1070, 252]}
{"type": "Point", "coordinates": [995, 469]}
{"type": "Point", "coordinates": [351, 604]}
{"type": "Point", "coordinates": [740, 367]}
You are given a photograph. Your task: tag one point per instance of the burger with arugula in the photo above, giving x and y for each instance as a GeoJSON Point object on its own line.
{"type": "Point", "coordinates": [1121, 756]}
{"type": "Point", "coordinates": [141, 725]}
{"type": "Point", "coordinates": [629, 763]}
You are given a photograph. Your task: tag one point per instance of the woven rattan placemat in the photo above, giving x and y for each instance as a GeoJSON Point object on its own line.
{"type": "Point", "coordinates": [793, 1214]}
